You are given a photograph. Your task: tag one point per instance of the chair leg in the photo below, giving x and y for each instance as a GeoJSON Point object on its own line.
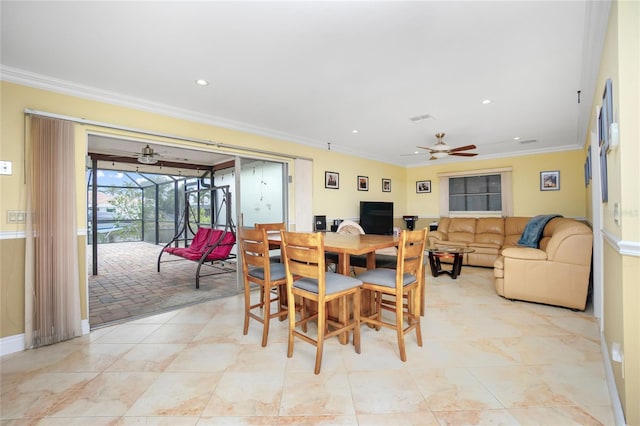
{"type": "Point", "coordinates": [292, 323]}
{"type": "Point", "coordinates": [247, 307]}
{"type": "Point", "coordinates": [356, 319]}
{"type": "Point", "coordinates": [400, 330]}
{"type": "Point", "coordinates": [266, 306]}
{"type": "Point", "coordinates": [322, 318]}
{"type": "Point", "coordinates": [378, 309]}
{"type": "Point", "coordinates": [417, 312]}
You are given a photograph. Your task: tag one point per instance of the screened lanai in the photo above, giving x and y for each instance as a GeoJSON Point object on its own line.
{"type": "Point", "coordinates": [136, 206]}
{"type": "Point", "coordinates": [133, 211]}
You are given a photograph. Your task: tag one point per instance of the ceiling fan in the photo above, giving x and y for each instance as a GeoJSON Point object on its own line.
{"type": "Point", "coordinates": [441, 149]}
{"type": "Point", "coordinates": [147, 156]}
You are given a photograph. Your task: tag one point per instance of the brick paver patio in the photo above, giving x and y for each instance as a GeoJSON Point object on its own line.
{"type": "Point", "coordinates": [128, 285]}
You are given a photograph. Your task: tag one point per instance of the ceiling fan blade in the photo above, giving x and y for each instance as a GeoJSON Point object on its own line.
{"type": "Point", "coordinates": [463, 148]}
{"type": "Point", "coordinates": [464, 154]}
{"type": "Point", "coordinates": [428, 148]}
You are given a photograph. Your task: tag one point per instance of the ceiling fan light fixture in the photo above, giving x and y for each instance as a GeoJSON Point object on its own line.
{"type": "Point", "coordinates": [146, 159]}
{"type": "Point", "coordinates": [147, 156]}
{"type": "Point", "coordinates": [439, 154]}
{"type": "Point", "coordinates": [441, 146]}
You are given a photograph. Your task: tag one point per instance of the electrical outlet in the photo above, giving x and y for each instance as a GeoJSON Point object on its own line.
{"type": "Point", "coordinates": [6, 168]}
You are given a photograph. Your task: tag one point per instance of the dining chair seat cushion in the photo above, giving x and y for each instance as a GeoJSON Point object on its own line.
{"type": "Point", "coordinates": [334, 283]}
{"type": "Point", "coordinates": [385, 277]}
{"type": "Point", "coordinates": [277, 272]}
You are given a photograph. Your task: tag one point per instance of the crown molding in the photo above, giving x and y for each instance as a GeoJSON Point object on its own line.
{"type": "Point", "coordinates": [39, 81]}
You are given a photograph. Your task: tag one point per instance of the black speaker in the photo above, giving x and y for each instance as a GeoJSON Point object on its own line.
{"type": "Point", "coordinates": [320, 223]}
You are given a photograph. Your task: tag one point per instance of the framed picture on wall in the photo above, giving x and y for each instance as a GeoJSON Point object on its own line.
{"type": "Point", "coordinates": [550, 181]}
{"type": "Point", "coordinates": [332, 180]}
{"type": "Point", "coordinates": [386, 185]}
{"type": "Point", "coordinates": [423, 186]}
{"type": "Point", "coordinates": [363, 183]}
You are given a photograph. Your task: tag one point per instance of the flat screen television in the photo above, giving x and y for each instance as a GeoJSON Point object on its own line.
{"type": "Point", "coordinates": [376, 217]}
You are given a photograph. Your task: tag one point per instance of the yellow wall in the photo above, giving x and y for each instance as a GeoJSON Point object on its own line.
{"type": "Point", "coordinates": [528, 200]}
{"type": "Point", "coordinates": [342, 203]}
{"type": "Point", "coordinates": [621, 293]}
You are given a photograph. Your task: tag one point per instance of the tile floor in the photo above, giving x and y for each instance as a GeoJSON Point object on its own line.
{"type": "Point", "coordinates": [485, 360]}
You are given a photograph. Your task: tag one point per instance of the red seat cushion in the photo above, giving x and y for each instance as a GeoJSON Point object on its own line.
{"type": "Point", "coordinates": [202, 241]}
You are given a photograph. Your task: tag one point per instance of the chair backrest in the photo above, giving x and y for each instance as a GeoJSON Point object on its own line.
{"type": "Point", "coordinates": [254, 248]}
{"type": "Point", "coordinates": [411, 253]}
{"type": "Point", "coordinates": [222, 242]}
{"type": "Point", "coordinates": [272, 227]}
{"type": "Point", "coordinates": [303, 254]}
{"type": "Point", "coordinates": [350, 227]}
{"type": "Point", "coordinates": [200, 240]}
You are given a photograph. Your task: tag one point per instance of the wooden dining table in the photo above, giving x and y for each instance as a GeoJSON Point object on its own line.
{"type": "Point", "coordinates": [346, 245]}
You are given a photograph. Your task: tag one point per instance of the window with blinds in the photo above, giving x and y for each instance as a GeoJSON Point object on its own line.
{"type": "Point", "coordinates": [475, 193]}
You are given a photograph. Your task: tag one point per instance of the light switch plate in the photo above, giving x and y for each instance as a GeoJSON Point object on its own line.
{"type": "Point", "coordinates": [16, 216]}
{"type": "Point", "coordinates": [6, 168]}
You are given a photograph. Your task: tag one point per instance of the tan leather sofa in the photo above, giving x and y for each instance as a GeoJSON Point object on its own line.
{"type": "Point", "coordinates": [556, 273]}
{"type": "Point", "coordinates": [486, 236]}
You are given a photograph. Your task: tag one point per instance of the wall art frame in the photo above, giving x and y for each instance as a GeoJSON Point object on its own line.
{"type": "Point", "coordinates": [550, 180]}
{"type": "Point", "coordinates": [363, 183]}
{"type": "Point", "coordinates": [423, 186]}
{"type": "Point", "coordinates": [332, 180]}
{"type": "Point", "coordinates": [386, 185]}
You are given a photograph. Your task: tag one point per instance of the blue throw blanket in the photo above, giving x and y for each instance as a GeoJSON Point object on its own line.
{"type": "Point", "coordinates": [533, 231]}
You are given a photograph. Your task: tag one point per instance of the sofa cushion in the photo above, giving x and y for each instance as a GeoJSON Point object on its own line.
{"type": "Point", "coordinates": [513, 228]}
{"type": "Point", "coordinates": [462, 230]}
{"type": "Point", "coordinates": [490, 230]}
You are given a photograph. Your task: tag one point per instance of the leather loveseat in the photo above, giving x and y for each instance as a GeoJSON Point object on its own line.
{"type": "Point", "coordinates": [555, 273]}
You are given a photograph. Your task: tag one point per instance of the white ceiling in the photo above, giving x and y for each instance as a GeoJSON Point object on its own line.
{"type": "Point", "coordinates": [312, 72]}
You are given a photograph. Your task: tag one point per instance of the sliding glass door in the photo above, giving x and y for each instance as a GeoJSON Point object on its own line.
{"type": "Point", "coordinates": [261, 189]}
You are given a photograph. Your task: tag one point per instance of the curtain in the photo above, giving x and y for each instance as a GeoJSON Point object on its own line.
{"type": "Point", "coordinates": [52, 294]}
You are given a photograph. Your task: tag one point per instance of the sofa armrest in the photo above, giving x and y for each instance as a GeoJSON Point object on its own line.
{"type": "Point", "coordinates": [437, 235]}
{"type": "Point", "coordinates": [524, 253]}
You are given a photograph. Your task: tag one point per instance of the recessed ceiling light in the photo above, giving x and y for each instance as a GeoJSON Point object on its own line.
{"type": "Point", "coordinates": [517, 138]}
{"type": "Point", "coordinates": [354, 131]}
{"type": "Point", "coordinates": [202, 82]}
{"type": "Point", "coordinates": [486, 101]}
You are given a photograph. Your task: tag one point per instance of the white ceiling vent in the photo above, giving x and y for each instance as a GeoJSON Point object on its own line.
{"type": "Point", "coordinates": [528, 141]}
{"type": "Point", "coordinates": [420, 117]}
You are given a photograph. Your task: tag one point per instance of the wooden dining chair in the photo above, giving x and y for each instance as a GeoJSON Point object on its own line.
{"type": "Point", "coordinates": [403, 281]}
{"type": "Point", "coordinates": [259, 270]}
{"type": "Point", "coordinates": [304, 259]}
{"type": "Point", "coordinates": [273, 228]}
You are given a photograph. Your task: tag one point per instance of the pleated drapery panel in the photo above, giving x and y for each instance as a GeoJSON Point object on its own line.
{"type": "Point", "coordinates": [52, 294]}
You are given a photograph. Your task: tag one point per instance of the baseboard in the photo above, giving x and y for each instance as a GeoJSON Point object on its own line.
{"type": "Point", "coordinates": [11, 344]}
{"type": "Point", "coordinates": [86, 327]}
{"type": "Point", "coordinates": [616, 406]}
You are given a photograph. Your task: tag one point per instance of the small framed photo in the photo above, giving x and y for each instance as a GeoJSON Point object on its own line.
{"type": "Point", "coordinates": [386, 185]}
{"type": "Point", "coordinates": [423, 186]}
{"type": "Point", "coordinates": [550, 181]}
{"type": "Point", "coordinates": [332, 180]}
{"type": "Point", "coordinates": [363, 183]}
